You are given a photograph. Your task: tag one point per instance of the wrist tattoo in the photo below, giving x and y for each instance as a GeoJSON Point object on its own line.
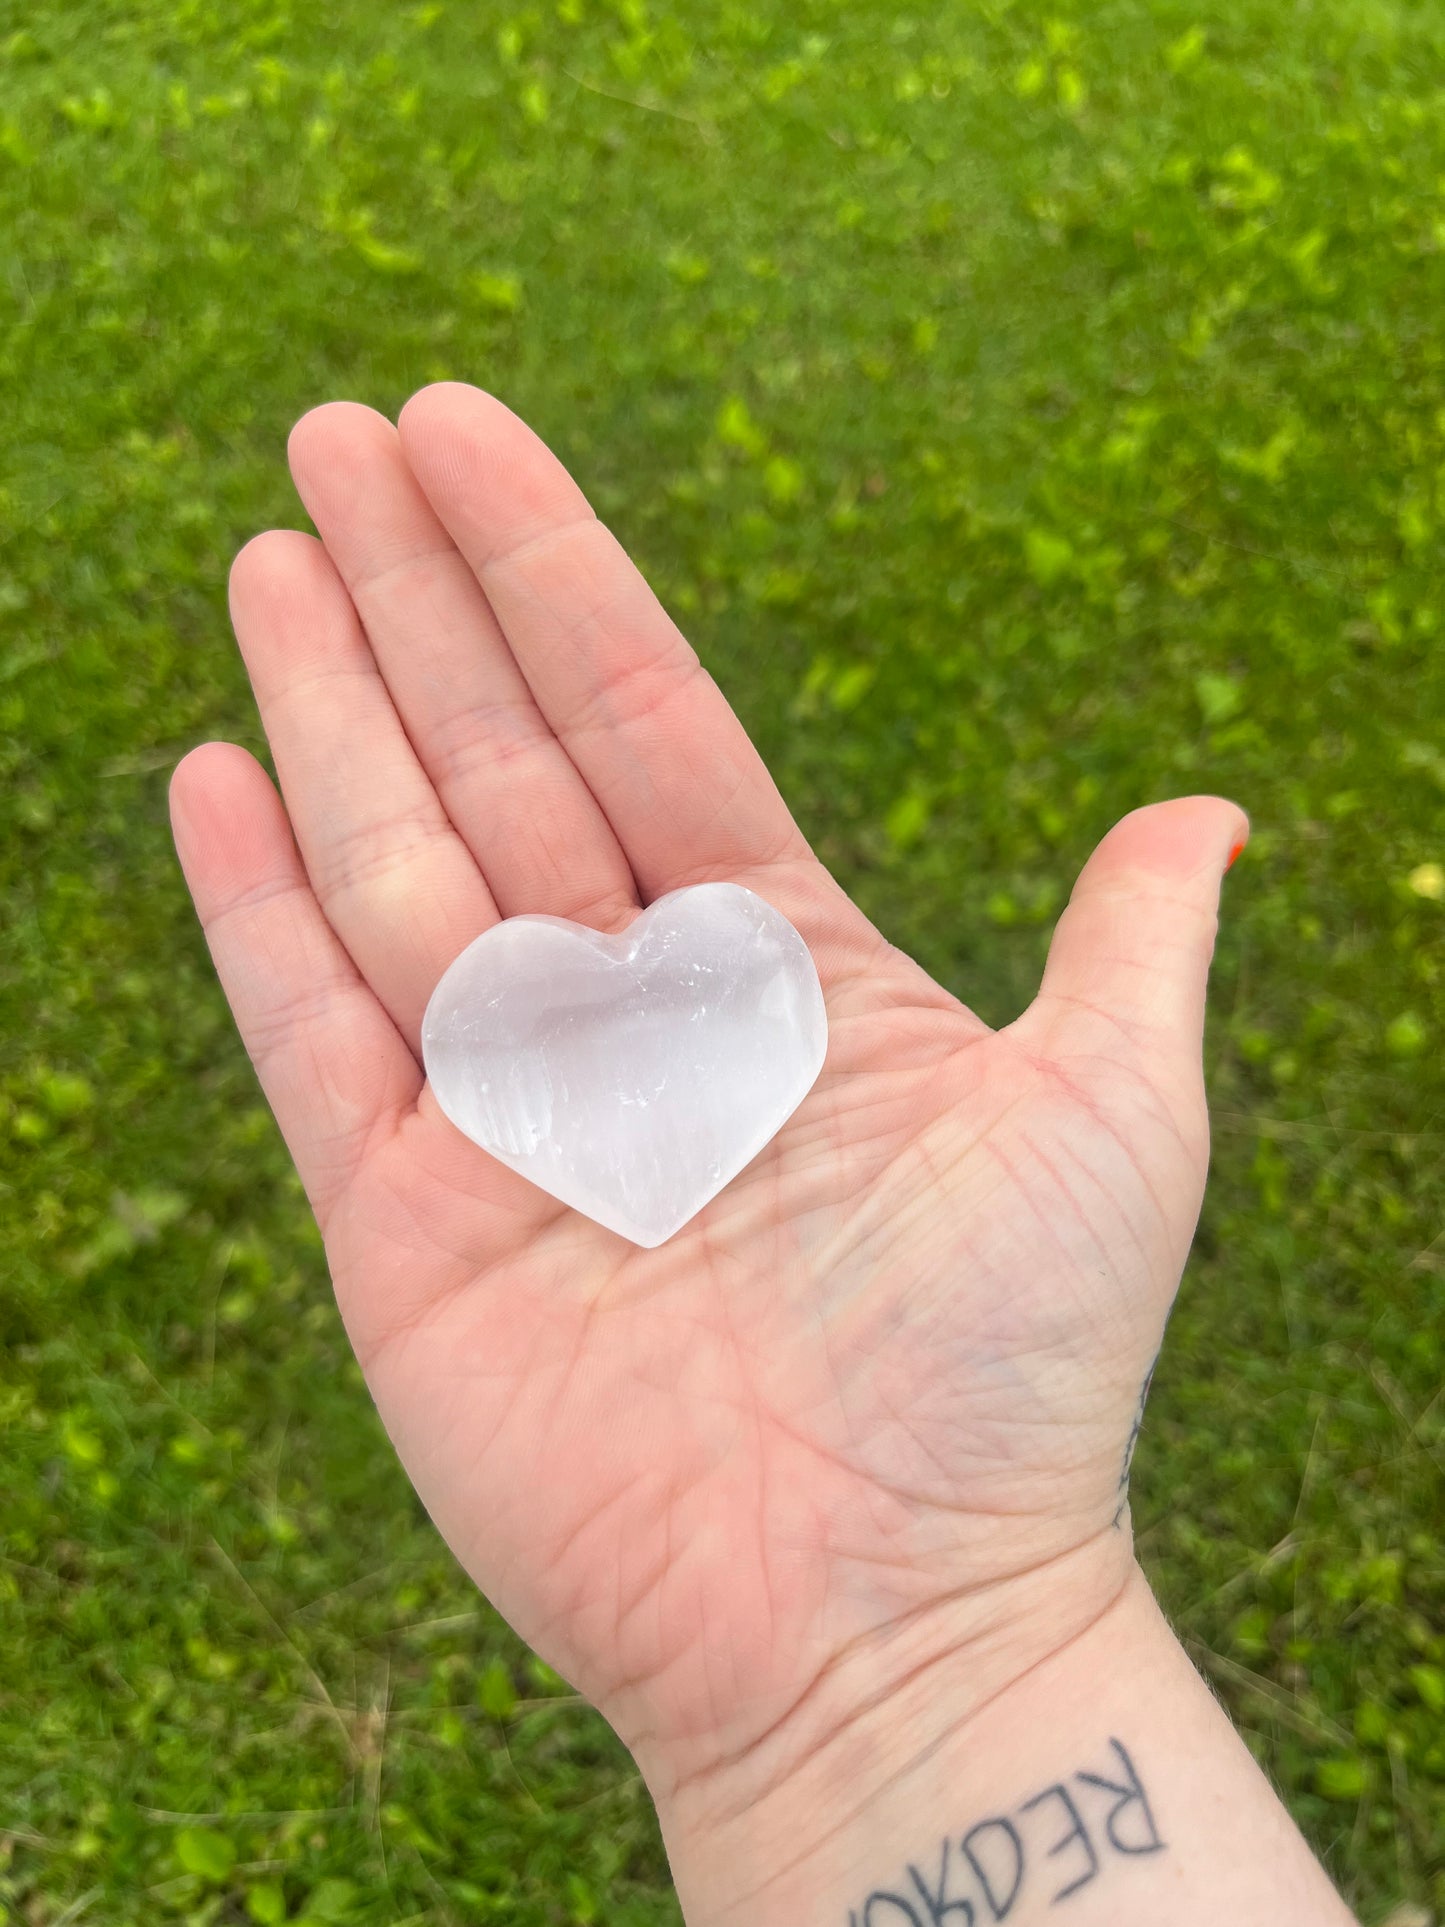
{"type": "Point", "coordinates": [1135, 1429]}
{"type": "Point", "coordinates": [1083, 1822]}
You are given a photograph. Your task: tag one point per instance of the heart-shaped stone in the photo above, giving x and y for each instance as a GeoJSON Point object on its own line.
{"type": "Point", "coordinates": [630, 1076]}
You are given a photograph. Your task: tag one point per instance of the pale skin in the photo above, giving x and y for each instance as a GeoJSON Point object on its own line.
{"type": "Point", "coordinates": [822, 1502]}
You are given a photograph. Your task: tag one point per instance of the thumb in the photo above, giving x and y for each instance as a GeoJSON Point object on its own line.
{"type": "Point", "coordinates": [1130, 956]}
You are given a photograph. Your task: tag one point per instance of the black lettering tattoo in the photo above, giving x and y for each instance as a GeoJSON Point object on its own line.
{"type": "Point", "coordinates": [1133, 1440]}
{"type": "Point", "coordinates": [999, 1906]}
{"type": "Point", "coordinates": [1130, 1795]}
{"type": "Point", "coordinates": [1077, 1831]}
{"type": "Point", "coordinates": [940, 1908]}
{"type": "Point", "coordinates": [996, 1856]}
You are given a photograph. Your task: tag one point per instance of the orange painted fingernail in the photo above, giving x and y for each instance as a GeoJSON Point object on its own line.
{"type": "Point", "coordinates": [1235, 853]}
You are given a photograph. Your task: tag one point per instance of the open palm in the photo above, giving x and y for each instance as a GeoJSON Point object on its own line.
{"type": "Point", "coordinates": [869, 1410]}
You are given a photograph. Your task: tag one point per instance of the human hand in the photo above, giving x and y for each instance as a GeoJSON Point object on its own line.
{"type": "Point", "coordinates": [866, 1420]}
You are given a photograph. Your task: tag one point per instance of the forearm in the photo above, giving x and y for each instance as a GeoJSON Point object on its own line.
{"type": "Point", "coordinates": [1106, 1785]}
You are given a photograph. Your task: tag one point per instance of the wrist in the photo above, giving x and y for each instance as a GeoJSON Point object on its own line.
{"type": "Point", "coordinates": [1103, 1773]}
{"type": "Point", "coordinates": [874, 1736]}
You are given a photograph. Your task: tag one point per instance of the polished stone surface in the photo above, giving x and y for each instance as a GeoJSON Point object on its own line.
{"type": "Point", "coordinates": [630, 1076]}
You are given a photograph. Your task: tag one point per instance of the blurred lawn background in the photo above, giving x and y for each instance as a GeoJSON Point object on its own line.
{"type": "Point", "coordinates": [1029, 410]}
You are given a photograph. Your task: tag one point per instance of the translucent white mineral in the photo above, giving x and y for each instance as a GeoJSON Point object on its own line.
{"type": "Point", "coordinates": [630, 1076]}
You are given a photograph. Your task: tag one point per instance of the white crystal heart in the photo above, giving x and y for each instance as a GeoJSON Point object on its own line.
{"type": "Point", "coordinates": [630, 1076]}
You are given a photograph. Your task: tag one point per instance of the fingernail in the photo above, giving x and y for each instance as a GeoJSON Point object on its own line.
{"type": "Point", "coordinates": [1234, 854]}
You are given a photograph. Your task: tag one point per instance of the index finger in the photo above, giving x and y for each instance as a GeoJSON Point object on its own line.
{"type": "Point", "coordinates": [653, 736]}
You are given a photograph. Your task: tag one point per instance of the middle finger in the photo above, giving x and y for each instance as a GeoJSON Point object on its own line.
{"type": "Point", "coordinates": [508, 785]}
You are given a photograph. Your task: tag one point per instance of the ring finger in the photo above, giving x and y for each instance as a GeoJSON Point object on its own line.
{"type": "Point", "coordinates": [395, 880]}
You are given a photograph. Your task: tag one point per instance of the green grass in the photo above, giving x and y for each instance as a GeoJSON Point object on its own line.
{"type": "Point", "coordinates": [1029, 410]}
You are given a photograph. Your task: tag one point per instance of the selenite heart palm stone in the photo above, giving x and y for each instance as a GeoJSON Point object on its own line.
{"type": "Point", "coordinates": [630, 1076]}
